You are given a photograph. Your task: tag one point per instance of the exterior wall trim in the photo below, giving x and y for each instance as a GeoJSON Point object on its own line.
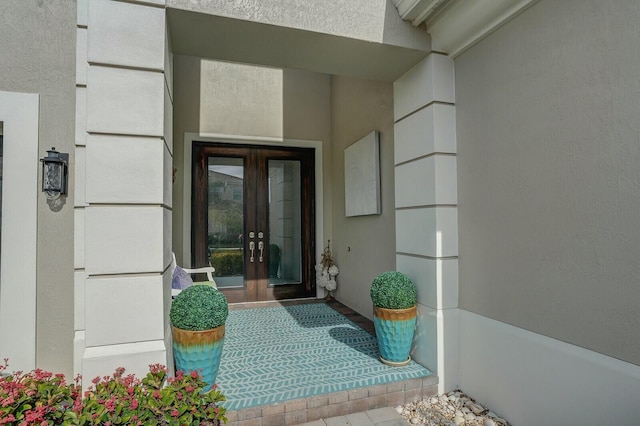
{"type": "Point", "coordinates": [535, 379]}
{"type": "Point", "coordinates": [463, 24]}
{"type": "Point", "coordinates": [20, 114]}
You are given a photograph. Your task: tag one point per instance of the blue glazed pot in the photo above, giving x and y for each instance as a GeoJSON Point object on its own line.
{"type": "Point", "coordinates": [394, 332]}
{"type": "Point", "coordinates": [199, 351]}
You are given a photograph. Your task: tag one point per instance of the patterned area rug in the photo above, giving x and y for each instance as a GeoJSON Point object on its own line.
{"type": "Point", "coordinates": [287, 352]}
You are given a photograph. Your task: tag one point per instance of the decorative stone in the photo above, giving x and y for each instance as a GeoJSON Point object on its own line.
{"type": "Point", "coordinates": [477, 409]}
{"type": "Point", "coordinates": [451, 409]}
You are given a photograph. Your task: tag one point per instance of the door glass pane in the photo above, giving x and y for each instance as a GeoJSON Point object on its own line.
{"type": "Point", "coordinates": [285, 247]}
{"type": "Point", "coordinates": [226, 220]}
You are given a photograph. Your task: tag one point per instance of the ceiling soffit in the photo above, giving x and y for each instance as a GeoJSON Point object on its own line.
{"type": "Point", "coordinates": [237, 40]}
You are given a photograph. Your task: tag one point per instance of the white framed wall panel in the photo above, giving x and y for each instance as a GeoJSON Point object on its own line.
{"type": "Point", "coordinates": [124, 239]}
{"type": "Point", "coordinates": [19, 113]}
{"type": "Point", "coordinates": [126, 34]}
{"type": "Point", "coordinates": [100, 360]}
{"type": "Point", "coordinates": [138, 315]}
{"type": "Point", "coordinates": [430, 80]}
{"type": "Point", "coordinates": [429, 130]}
{"type": "Point", "coordinates": [436, 177]}
{"type": "Point", "coordinates": [429, 231]}
{"type": "Point", "coordinates": [436, 279]}
{"type": "Point", "coordinates": [125, 101]}
{"type": "Point", "coordinates": [131, 165]}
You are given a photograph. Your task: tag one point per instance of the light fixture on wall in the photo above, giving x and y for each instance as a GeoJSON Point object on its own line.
{"type": "Point", "coordinates": [55, 172]}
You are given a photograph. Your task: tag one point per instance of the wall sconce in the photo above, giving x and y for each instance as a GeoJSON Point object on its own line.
{"type": "Point", "coordinates": [55, 172]}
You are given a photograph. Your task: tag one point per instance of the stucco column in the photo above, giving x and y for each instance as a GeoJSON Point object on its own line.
{"type": "Point", "coordinates": [123, 187]}
{"type": "Point", "coordinates": [426, 208]}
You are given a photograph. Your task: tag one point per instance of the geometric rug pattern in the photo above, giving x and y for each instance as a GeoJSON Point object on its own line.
{"type": "Point", "coordinates": [281, 353]}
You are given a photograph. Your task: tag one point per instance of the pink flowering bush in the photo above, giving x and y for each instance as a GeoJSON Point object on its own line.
{"type": "Point", "coordinates": [41, 398]}
{"type": "Point", "coordinates": [35, 398]}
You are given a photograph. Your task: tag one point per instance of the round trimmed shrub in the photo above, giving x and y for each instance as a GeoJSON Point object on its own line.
{"type": "Point", "coordinates": [393, 290]}
{"type": "Point", "coordinates": [199, 307]}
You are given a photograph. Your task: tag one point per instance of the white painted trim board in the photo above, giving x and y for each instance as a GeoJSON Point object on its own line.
{"type": "Point", "coordinates": [20, 114]}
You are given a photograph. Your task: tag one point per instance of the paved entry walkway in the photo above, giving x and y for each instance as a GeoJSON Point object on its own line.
{"type": "Point", "coordinates": [379, 417]}
{"type": "Point", "coordinates": [350, 385]}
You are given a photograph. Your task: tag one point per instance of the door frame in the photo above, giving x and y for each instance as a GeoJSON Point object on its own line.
{"type": "Point", "coordinates": [190, 138]}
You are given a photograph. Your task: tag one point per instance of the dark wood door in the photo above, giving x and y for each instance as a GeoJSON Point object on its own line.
{"type": "Point", "coordinates": [254, 216]}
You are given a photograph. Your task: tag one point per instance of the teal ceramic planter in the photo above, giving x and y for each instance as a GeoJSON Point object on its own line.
{"type": "Point", "coordinates": [199, 351]}
{"type": "Point", "coordinates": [394, 332]}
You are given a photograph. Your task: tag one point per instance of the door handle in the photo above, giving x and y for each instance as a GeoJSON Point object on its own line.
{"type": "Point", "coordinates": [252, 247]}
{"type": "Point", "coordinates": [261, 248]}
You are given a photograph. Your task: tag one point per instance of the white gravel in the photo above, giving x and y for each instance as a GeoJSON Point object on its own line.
{"type": "Point", "coordinates": [454, 408]}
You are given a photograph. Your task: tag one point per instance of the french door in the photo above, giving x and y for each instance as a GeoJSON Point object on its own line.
{"type": "Point", "coordinates": [253, 219]}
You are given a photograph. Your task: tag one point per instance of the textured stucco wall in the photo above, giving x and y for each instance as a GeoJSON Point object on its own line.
{"type": "Point", "coordinates": [370, 20]}
{"type": "Point", "coordinates": [548, 177]}
{"type": "Point", "coordinates": [358, 107]}
{"type": "Point", "coordinates": [38, 40]}
{"type": "Point", "coordinates": [243, 100]}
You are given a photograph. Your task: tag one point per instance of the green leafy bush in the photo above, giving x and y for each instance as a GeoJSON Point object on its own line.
{"type": "Point", "coordinates": [393, 290]}
{"type": "Point", "coordinates": [199, 307]}
{"type": "Point", "coordinates": [42, 398]}
{"type": "Point", "coordinates": [227, 263]}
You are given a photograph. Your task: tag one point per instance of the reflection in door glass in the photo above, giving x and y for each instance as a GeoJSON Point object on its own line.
{"type": "Point", "coordinates": [226, 218]}
{"type": "Point", "coordinates": [285, 248]}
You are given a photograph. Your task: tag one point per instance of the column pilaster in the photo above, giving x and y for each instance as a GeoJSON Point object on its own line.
{"type": "Point", "coordinates": [123, 187]}
{"type": "Point", "coordinates": [426, 204]}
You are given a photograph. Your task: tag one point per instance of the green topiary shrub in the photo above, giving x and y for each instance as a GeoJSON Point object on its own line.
{"type": "Point", "coordinates": [393, 290]}
{"type": "Point", "coordinates": [199, 307]}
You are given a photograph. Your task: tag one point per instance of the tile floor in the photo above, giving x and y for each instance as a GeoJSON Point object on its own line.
{"type": "Point", "coordinates": [340, 405]}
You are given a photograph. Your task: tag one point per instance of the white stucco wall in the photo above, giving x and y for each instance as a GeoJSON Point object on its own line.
{"type": "Point", "coordinates": [548, 180]}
